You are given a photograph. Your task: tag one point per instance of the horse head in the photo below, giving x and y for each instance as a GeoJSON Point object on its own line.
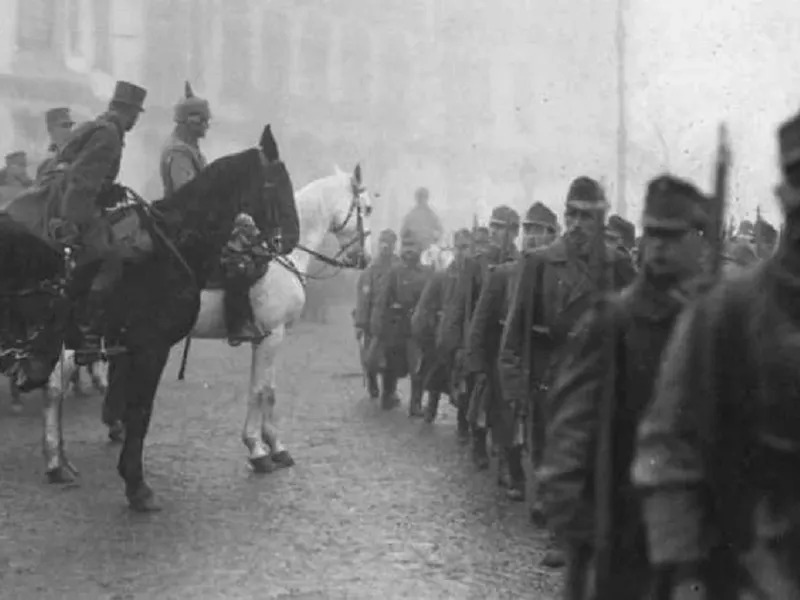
{"type": "Point", "coordinates": [351, 212]}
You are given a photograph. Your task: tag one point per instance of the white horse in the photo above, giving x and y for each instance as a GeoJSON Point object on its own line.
{"type": "Point", "coordinates": [338, 204]}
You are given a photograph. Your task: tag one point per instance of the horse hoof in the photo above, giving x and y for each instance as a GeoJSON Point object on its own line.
{"type": "Point", "coordinates": [60, 475]}
{"type": "Point", "coordinates": [143, 501]}
{"type": "Point", "coordinates": [262, 464]}
{"type": "Point", "coordinates": [282, 459]}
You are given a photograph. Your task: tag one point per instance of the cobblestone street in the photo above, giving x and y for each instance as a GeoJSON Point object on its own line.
{"type": "Point", "coordinates": [377, 507]}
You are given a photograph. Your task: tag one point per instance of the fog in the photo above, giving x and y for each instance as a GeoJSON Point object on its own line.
{"type": "Point", "coordinates": [482, 102]}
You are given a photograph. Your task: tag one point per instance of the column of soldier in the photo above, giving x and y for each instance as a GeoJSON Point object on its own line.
{"type": "Point", "coordinates": [650, 401]}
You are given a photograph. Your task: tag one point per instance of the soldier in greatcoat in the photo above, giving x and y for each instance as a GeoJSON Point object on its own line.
{"type": "Point", "coordinates": [390, 324]}
{"type": "Point", "coordinates": [59, 125]}
{"type": "Point", "coordinates": [483, 331]}
{"type": "Point", "coordinates": [553, 287]}
{"type": "Point", "coordinates": [455, 330]}
{"type": "Point", "coordinates": [181, 157]}
{"type": "Point", "coordinates": [425, 323]}
{"type": "Point", "coordinates": [719, 447]}
{"type": "Point", "coordinates": [369, 283]}
{"type": "Point", "coordinates": [620, 234]}
{"type": "Point", "coordinates": [445, 359]}
{"type": "Point", "coordinates": [602, 387]}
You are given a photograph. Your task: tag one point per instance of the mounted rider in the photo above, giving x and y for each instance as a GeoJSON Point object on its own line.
{"type": "Point", "coordinates": [181, 157]}
{"type": "Point", "coordinates": [422, 222]}
{"type": "Point", "coordinates": [59, 125]}
{"type": "Point", "coordinates": [87, 167]}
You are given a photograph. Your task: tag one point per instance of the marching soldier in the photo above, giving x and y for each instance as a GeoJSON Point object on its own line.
{"type": "Point", "coordinates": [718, 447]}
{"type": "Point", "coordinates": [487, 411]}
{"type": "Point", "coordinates": [390, 324]}
{"type": "Point", "coordinates": [59, 127]}
{"type": "Point", "coordinates": [481, 241]}
{"type": "Point", "coordinates": [620, 234]}
{"type": "Point", "coordinates": [553, 287]}
{"type": "Point", "coordinates": [426, 321]}
{"type": "Point", "coordinates": [369, 283]}
{"type": "Point", "coordinates": [455, 330]}
{"type": "Point", "coordinates": [89, 163]}
{"type": "Point", "coordinates": [602, 387]}
{"type": "Point", "coordinates": [540, 227]}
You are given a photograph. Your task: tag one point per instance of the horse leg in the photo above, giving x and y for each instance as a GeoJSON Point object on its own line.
{"type": "Point", "coordinates": [99, 380]}
{"type": "Point", "coordinates": [258, 448]}
{"type": "Point", "coordinates": [141, 379]}
{"type": "Point", "coordinates": [114, 398]}
{"type": "Point", "coordinates": [58, 468]}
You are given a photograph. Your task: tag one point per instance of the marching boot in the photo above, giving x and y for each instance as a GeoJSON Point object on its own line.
{"type": "Point", "coordinates": [479, 454]}
{"type": "Point", "coordinates": [432, 408]}
{"type": "Point", "coordinates": [389, 397]}
{"type": "Point", "coordinates": [516, 474]}
{"type": "Point", "coordinates": [463, 424]}
{"type": "Point", "coordinates": [503, 476]}
{"type": "Point", "coordinates": [415, 401]}
{"type": "Point", "coordinates": [372, 386]}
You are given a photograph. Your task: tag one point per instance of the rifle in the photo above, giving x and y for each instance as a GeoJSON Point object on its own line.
{"type": "Point", "coordinates": [716, 231]}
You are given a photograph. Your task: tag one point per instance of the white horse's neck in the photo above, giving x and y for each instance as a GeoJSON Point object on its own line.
{"type": "Point", "coordinates": [317, 205]}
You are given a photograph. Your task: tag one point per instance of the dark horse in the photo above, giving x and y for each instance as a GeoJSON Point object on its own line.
{"type": "Point", "coordinates": [158, 299]}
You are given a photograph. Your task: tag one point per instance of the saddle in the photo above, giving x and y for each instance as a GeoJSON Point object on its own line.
{"type": "Point", "coordinates": [125, 219]}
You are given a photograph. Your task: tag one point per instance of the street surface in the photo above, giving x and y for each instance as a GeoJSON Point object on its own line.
{"type": "Point", "coordinates": [377, 507]}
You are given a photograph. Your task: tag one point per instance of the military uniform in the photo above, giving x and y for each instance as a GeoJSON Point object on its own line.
{"type": "Point", "coordinates": [719, 447]}
{"type": "Point", "coordinates": [370, 282]}
{"type": "Point", "coordinates": [552, 290]}
{"type": "Point", "coordinates": [181, 157]}
{"type": "Point", "coordinates": [58, 121]}
{"type": "Point", "coordinates": [390, 324]}
{"type": "Point", "coordinates": [422, 222]}
{"type": "Point", "coordinates": [14, 178]}
{"type": "Point", "coordinates": [602, 387]}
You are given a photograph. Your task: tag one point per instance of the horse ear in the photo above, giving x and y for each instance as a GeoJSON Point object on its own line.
{"type": "Point", "coordinates": [357, 174]}
{"type": "Point", "coordinates": [268, 145]}
{"type": "Point", "coordinates": [187, 90]}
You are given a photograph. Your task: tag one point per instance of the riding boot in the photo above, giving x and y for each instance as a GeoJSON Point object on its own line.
{"type": "Point", "coordinates": [516, 474]}
{"type": "Point", "coordinates": [93, 325]}
{"type": "Point", "coordinates": [479, 454]}
{"type": "Point", "coordinates": [432, 408]}
{"type": "Point", "coordinates": [239, 313]}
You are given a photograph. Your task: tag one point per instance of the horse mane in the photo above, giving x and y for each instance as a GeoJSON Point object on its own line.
{"type": "Point", "coordinates": [312, 198]}
{"type": "Point", "coordinates": [25, 258]}
{"type": "Point", "coordinates": [240, 171]}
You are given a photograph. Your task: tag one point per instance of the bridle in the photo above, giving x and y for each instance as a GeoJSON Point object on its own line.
{"type": "Point", "coordinates": [356, 211]}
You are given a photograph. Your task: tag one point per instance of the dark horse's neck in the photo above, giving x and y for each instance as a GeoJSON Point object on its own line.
{"type": "Point", "coordinates": [199, 216]}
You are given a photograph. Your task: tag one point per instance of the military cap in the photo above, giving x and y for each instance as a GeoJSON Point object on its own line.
{"type": "Point", "coordinates": [422, 192]}
{"type": "Point", "coordinates": [625, 229]}
{"type": "Point", "coordinates": [504, 216]}
{"type": "Point", "coordinates": [539, 214]}
{"type": "Point", "coordinates": [387, 236]}
{"type": "Point", "coordinates": [58, 116]}
{"type": "Point", "coordinates": [17, 157]}
{"type": "Point", "coordinates": [129, 94]}
{"type": "Point", "coordinates": [586, 194]}
{"type": "Point", "coordinates": [673, 203]}
{"type": "Point", "coordinates": [191, 106]}
{"type": "Point", "coordinates": [789, 142]}
{"type": "Point", "coordinates": [764, 232]}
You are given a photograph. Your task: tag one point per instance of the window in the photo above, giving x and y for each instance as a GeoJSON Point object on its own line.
{"type": "Point", "coordinates": [315, 42]}
{"type": "Point", "coordinates": [276, 60]}
{"type": "Point", "coordinates": [36, 24]}
{"type": "Point", "coordinates": [356, 71]}
{"type": "Point", "coordinates": [524, 100]}
{"type": "Point", "coordinates": [236, 56]}
{"type": "Point", "coordinates": [103, 50]}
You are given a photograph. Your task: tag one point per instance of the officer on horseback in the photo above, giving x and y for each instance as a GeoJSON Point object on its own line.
{"type": "Point", "coordinates": [90, 161]}
{"type": "Point", "coordinates": [181, 158]}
